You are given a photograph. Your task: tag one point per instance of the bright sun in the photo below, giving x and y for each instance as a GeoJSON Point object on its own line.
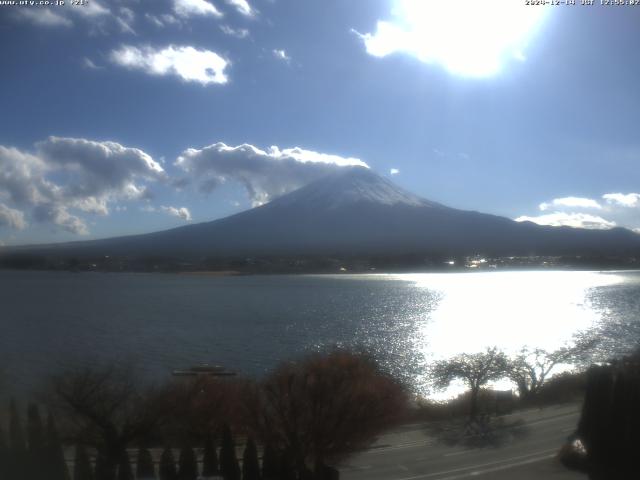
{"type": "Point", "coordinates": [467, 37]}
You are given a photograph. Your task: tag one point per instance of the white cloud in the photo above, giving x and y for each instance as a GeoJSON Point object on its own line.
{"type": "Point", "coordinates": [44, 17]}
{"type": "Point", "coordinates": [88, 63]}
{"type": "Point", "coordinates": [576, 220]}
{"type": "Point", "coordinates": [394, 171]}
{"type": "Point", "coordinates": [618, 209]}
{"type": "Point", "coordinates": [234, 32]}
{"type": "Point", "coordinates": [99, 168]}
{"type": "Point", "coordinates": [67, 174]}
{"type": "Point", "coordinates": [192, 65]}
{"type": "Point", "coordinates": [91, 9]}
{"type": "Point", "coordinates": [190, 8]}
{"type": "Point", "coordinates": [162, 20]}
{"type": "Point", "coordinates": [11, 217]}
{"type": "Point", "coordinates": [59, 215]}
{"type": "Point", "coordinates": [154, 19]}
{"type": "Point", "coordinates": [22, 180]}
{"type": "Point", "coordinates": [98, 17]}
{"type": "Point", "coordinates": [575, 202]}
{"type": "Point", "coordinates": [264, 174]}
{"type": "Point", "coordinates": [180, 212]}
{"type": "Point", "coordinates": [281, 55]}
{"type": "Point", "coordinates": [466, 37]}
{"type": "Point", "coordinates": [125, 20]}
{"type": "Point", "coordinates": [242, 6]}
{"type": "Point", "coordinates": [629, 200]}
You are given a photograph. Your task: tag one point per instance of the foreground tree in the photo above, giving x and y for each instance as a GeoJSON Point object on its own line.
{"type": "Point", "coordinates": [201, 405]}
{"type": "Point", "coordinates": [168, 466]}
{"type": "Point", "coordinates": [37, 445]}
{"type": "Point", "coordinates": [144, 465]}
{"type": "Point", "coordinates": [55, 462]}
{"type": "Point", "coordinates": [82, 466]}
{"type": "Point", "coordinates": [103, 469]}
{"type": "Point", "coordinates": [125, 471]}
{"type": "Point", "coordinates": [530, 369]}
{"type": "Point", "coordinates": [270, 468]}
{"type": "Point", "coordinates": [610, 420]}
{"type": "Point", "coordinates": [209, 458]}
{"type": "Point", "coordinates": [325, 407]}
{"type": "Point", "coordinates": [250, 465]}
{"type": "Point", "coordinates": [109, 411]}
{"type": "Point", "coordinates": [475, 370]}
{"type": "Point", "coordinates": [229, 467]}
{"type": "Point", "coordinates": [4, 455]}
{"type": "Point", "coordinates": [17, 461]}
{"type": "Point", "coordinates": [188, 464]}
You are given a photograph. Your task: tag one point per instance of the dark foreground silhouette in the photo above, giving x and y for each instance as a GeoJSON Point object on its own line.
{"type": "Point", "coordinates": [305, 416]}
{"type": "Point", "coordinates": [605, 444]}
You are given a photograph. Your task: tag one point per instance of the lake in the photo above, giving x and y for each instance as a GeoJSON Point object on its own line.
{"type": "Point", "coordinates": [50, 320]}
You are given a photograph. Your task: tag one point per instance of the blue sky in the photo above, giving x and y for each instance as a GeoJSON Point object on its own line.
{"type": "Point", "coordinates": [131, 116]}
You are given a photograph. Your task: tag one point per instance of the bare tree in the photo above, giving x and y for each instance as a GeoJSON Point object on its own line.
{"type": "Point", "coordinates": [530, 369]}
{"type": "Point", "coordinates": [200, 406]}
{"type": "Point", "coordinates": [476, 370]}
{"type": "Point", "coordinates": [325, 407]}
{"type": "Point", "coordinates": [108, 409]}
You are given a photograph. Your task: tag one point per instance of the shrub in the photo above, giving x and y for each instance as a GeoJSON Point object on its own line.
{"type": "Point", "coordinates": [338, 402]}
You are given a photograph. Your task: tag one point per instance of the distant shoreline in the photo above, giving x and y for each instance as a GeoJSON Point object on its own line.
{"type": "Point", "coordinates": [347, 273]}
{"type": "Point", "coordinates": [208, 273]}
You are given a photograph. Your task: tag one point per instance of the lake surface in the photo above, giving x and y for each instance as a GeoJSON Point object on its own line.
{"type": "Point", "coordinates": [49, 320]}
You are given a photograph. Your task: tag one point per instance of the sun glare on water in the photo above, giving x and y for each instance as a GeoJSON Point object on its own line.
{"type": "Point", "coordinates": [467, 37]}
{"type": "Point", "coordinates": [508, 310]}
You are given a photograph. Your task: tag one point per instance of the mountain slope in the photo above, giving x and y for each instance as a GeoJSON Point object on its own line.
{"type": "Point", "coordinates": [356, 212]}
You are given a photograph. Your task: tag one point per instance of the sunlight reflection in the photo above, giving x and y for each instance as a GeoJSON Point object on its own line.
{"type": "Point", "coordinates": [509, 310]}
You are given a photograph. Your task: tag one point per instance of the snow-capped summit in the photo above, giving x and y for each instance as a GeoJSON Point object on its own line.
{"type": "Point", "coordinates": [352, 185]}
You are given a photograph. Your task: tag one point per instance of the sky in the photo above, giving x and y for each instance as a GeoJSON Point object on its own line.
{"type": "Point", "coordinates": [123, 117]}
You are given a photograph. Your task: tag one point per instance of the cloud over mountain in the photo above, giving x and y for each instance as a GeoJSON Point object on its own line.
{"type": "Point", "coordinates": [11, 217]}
{"type": "Point", "coordinates": [629, 200]}
{"type": "Point", "coordinates": [576, 220]}
{"type": "Point", "coordinates": [617, 209]}
{"type": "Point", "coordinates": [180, 212]}
{"type": "Point", "coordinates": [577, 202]}
{"type": "Point", "coordinates": [264, 174]}
{"type": "Point", "coordinates": [65, 175]}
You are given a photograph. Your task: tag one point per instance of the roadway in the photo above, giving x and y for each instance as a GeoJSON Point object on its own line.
{"type": "Point", "coordinates": [412, 453]}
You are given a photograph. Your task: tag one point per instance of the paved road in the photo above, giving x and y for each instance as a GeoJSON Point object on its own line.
{"type": "Point", "coordinates": [410, 453]}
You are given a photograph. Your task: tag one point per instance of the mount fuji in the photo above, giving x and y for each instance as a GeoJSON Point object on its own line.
{"type": "Point", "coordinates": [357, 212]}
